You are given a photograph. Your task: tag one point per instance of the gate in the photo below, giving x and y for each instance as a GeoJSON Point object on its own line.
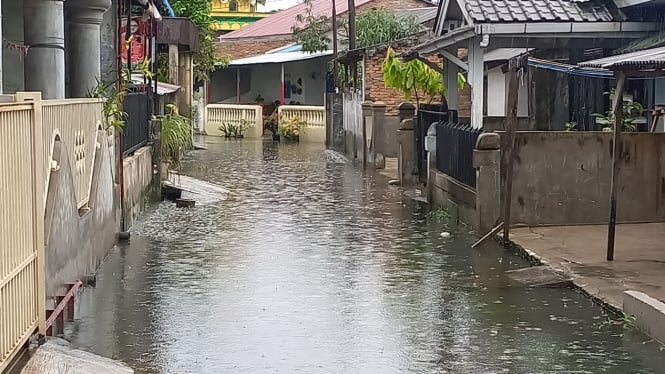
{"type": "Point", "coordinates": [353, 123]}
{"type": "Point", "coordinates": [455, 143]}
{"type": "Point", "coordinates": [22, 186]}
{"type": "Point", "coordinates": [427, 115]}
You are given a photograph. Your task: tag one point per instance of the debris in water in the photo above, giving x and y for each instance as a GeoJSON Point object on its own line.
{"type": "Point", "coordinates": [445, 234]}
{"type": "Point", "coordinates": [394, 182]}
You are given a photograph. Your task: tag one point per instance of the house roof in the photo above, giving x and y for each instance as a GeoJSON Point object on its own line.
{"type": "Point", "coordinates": [421, 15]}
{"type": "Point", "coordinates": [645, 58]}
{"type": "Point", "coordinates": [281, 22]}
{"type": "Point", "coordinates": [277, 58]}
{"type": "Point", "coordinates": [503, 11]}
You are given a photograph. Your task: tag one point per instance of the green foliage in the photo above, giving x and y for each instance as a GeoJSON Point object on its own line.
{"type": "Point", "coordinates": [630, 112]}
{"type": "Point", "coordinates": [412, 78]}
{"type": "Point", "coordinates": [311, 31]}
{"type": "Point", "coordinates": [377, 26]}
{"type": "Point", "coordinates": [176, 135]}
{"type": "Point", "coordinates": [199, 12]}
{"type": "Point", "coordinates": [373, 27]}
{"type": "Point", "coordinates": [291, 128]}
{"type": "Point", "coordinates": [570, 126]}
{"type": "Point", "coordinates": [231, 130]}
{"type": "Point", "coordinates": [114, 115]}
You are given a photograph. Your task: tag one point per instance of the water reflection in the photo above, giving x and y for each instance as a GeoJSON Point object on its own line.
{"type": "Point", "coordinates": [316, 267]}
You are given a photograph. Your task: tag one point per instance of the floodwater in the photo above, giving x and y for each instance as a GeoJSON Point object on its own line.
{"type": "Point", "coordinates": [314, 266]}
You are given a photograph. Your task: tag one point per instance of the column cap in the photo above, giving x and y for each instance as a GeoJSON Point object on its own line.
{"type": "Point", "coordinates": [86, 11]}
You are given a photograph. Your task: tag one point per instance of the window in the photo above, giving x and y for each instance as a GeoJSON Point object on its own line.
{"type": "Point", "coordinates": [233, 6]}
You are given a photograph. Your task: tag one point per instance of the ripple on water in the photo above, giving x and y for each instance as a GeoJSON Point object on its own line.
{"type": "Point", "coordinates": [313, 266]}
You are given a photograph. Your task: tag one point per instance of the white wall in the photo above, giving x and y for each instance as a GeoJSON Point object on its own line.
{"type": "Point", "coordinates": [266, 81]}
{"type": "Point", "coordinates": [497, 94]}
{"type": "Point", "coordinates": [312, 74]}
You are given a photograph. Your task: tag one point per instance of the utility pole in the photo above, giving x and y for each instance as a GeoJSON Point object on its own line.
{"type": "Point", "coordinates": [352, 39]}
{"type": "Point", "coordinates": [334, 42]}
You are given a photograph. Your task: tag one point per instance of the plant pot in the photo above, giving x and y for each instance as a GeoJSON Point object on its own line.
{"type": "Point", "coordinates": [275, 137]}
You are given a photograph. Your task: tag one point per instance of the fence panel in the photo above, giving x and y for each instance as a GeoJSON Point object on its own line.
{"type": "Point", "coordinates": [220, 114]}
{"type": "Point", "coordinates": [314, 116]}
{"type": "Point", "coordinates": [136, 132]}
{"type": "Point", "coordinates": [21, 219]}
{"type": "Point", "coordinates": [75, 122]}
{"type": "Point", "coordinates": [455, 143]}
{"type": "Point", "coordinates": [427, 115]}
{"type": "Point", "coordinates": [353, 120]}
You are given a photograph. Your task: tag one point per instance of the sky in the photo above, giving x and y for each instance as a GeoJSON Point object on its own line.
{"type": "Point", "coordinates": [277, 5]}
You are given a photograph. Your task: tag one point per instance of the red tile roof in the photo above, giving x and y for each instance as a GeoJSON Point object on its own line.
{"type": "Point", "coordinates": [281, 22]}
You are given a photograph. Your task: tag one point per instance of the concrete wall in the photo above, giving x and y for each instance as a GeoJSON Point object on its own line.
{"type": "Point", "coordinates": [138, 171]}
{"type": "Point", "coordinates": [391, 147]}
{"type": "Point", "coordinates": [78, 241]}
{"type": "Point", "coordinates": [564, 178]}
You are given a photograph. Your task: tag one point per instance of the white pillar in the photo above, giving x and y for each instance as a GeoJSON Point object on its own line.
{"type": "Point", "coordinates": [1, 41]}
{"type": "Point", "coordinates": [44, 28]}
{"type": "Point", "coordinates": [84, 19]}
{"type": "Point", "coordinates": [476, 81]}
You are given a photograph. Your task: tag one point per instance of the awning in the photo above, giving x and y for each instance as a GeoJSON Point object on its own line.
{"type": "Point", "coordinates": [278, 58]}
{"type": "Point", "coordinates": [446, 40]}
{"type": "Point", "coordinates": [648, 58]}
{"type": "Point", "coordinates": [162, 87]}
{"type": "Point", "coordinates": [503, 54]}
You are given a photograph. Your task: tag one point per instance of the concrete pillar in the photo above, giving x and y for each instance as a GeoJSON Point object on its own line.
{"type": "Point", "coordinates": [450, 71]}
{"type": "Point", "coordinates": [1, 89]}
{"type": "Point", "coordinates": [364, 139]}
{"type": "Point", "coordinates": [44, 32]}
{"type": "Point", "coordinates": [477, 81]}
{"type": "Point", "coordinates": [406, 164]}
{"type": "Point", "coordinates": [379, 137]}
{"type": "Point", "coordinates": [84, 19]}
{"type": "Point", "coordinates": [487, 161]}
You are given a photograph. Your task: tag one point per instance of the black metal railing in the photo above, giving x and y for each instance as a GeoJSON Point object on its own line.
{"type": "Point", "coordinates": [427, 115]}
{"type": "Point", "coordinates": [455, 143]}
{"type": "Point", "coordinates": [136, 132]}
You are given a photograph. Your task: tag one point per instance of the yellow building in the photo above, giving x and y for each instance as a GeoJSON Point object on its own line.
{"type": "Point", "coordinates": [230, 15]}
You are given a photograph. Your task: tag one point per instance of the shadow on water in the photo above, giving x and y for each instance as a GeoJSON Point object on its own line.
{"type": "Point", "coordinates": [316, 267]}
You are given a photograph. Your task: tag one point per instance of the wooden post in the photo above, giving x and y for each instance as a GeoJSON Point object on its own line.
{"type": "Point", "coordinates": [238, 85]}
{"type": "Point", "coordinates": [476, 81]}
{"type": "Point", "coordinates": [511, 129]}
{"type": "Point", "coordinates": [617, 107]}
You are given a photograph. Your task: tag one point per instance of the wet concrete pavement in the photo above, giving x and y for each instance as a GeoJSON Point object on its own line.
{"type": "Point", "coordinates": [314, 266]}
{"type": "Point", "coordinates": [580, 251]}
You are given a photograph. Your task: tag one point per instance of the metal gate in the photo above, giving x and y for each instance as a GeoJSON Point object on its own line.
{"type": "Point", "coordinates": [22, 226]}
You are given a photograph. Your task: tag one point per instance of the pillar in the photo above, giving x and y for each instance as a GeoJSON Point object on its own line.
{"type": "Point", "coordinates": [44, 32]}
{"type": "Point", "coordinates": [487, 161]}
{"type": "Point", "coordinates": [406, 163]}
{"type": "Point", "coordinates": [477, 81]}
{"type": "Point", "coordinates": [379, 138]}
{"type": "Point", "coordinates": [450, 71]}
{"type": "Point", "coordinates": [84, 19]}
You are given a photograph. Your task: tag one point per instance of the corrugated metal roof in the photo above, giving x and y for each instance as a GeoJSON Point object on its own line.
{"type": "Point", "coordinates": [501, 54]}
{"type": "Point", "coordinates": [647, 57]}
{"type": "Point", "coordinates": [281, 22]}
{"type": "Point", "coordinates": [162, 87]}
{"type": "Point", "coordinates": [501, 11]}
{"type": "Point", "coordinates": [421, 15]}
{"type": "Point", "coordinates": [277, 58]}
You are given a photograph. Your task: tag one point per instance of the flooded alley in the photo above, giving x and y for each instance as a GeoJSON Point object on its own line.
{"type": "Point", "coordinates": [314, 266]}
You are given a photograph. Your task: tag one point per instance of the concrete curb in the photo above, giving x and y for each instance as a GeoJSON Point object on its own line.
{"type": "Point", "coordinates": [536, 259]}
{"type": "Point", "coordinates": [649, 313]}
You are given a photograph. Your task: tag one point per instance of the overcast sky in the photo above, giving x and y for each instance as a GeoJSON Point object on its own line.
{"type": "Point", "coordinates": [277, 5]}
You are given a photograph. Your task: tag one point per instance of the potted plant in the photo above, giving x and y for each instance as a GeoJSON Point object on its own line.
{"type": "Point", "coordinates": [290, 129]}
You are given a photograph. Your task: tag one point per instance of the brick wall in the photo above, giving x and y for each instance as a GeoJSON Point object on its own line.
{"type": "Point", "coordinates": [376, 90]}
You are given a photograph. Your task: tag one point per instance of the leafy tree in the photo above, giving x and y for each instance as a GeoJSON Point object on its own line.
{"type": "Point", "coordinates": [311, 31]}
{"type": "Point", "coordinates": [412, 78]}
{"type": "Point", "coordinates": [199, 12]}
{"type": "Point", "coordinates": [373, 27]}
{"type": "Point", "coordinates": [378, 26]}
